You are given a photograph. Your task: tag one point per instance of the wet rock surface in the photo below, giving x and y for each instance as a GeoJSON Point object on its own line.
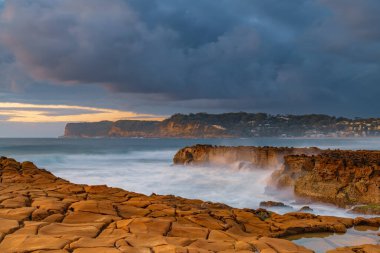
{"type": "Point", "coordinates": [258, 157]}
{"type": "Point", "coordinates": [305, 209]}
{"type": "Point", "coordinates": [343, 178]}
{"type": "Point", "coordinates": [274, 204]}
{"type": "Point", "coordinates": [42, 213]}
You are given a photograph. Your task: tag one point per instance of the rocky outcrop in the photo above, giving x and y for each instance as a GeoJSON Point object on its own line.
{"type": "Point", "coordinates": [339, 177]}
{"type": "Point", "coordinates": [343, 178]}
{"type": "Point", "coordinates": [306, 209]}
{"type": "Point", "coordinates": [272, 204]}
{"type": "Point", "coordinates": [258, 157]}
{"type": "Point", "coordinates": [42, 213]}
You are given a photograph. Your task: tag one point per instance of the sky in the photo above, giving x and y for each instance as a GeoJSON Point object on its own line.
{"type": "Point", "coordinates": [79, 60]}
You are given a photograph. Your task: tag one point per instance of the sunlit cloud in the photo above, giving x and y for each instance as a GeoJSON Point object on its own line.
{"type": "Point", "coordinates": [35, 113]}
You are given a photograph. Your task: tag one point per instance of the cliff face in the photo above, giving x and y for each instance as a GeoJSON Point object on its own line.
{"type": "Point", "coordinates": [190, 130]}
{"type": "Point", "coordinates": [338, 177]}
{"type": "Point", "coordinates": [133, 128]}
{"type": "Point", "coordinates": [261, 157]}
{"type": "Point", "coordinates": [202, 125]}
{"type": "Point", "coordinates": [88, 129]}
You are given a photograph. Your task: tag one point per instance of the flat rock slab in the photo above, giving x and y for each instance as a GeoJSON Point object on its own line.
{"type": "Point", "coordinates": [97, 250]}
{"type": "Point", "coordinates": [27, 243]}
{"type": "Point", "coordinates": [93, 206]}
{"type": "Point", "coordinates": [7, 226]}
{"type": "Point", "coordinates": [62, 229]}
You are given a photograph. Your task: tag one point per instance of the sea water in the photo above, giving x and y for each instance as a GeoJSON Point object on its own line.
{"type": "Point", "coordinates": [322, 242]}
{"type": "Point", "coordinates": [145, 166]}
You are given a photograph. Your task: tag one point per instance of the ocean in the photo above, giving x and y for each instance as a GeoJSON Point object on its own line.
{"type": "Point", "coordinates": [145, 166]}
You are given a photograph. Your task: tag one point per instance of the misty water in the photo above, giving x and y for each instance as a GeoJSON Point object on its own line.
{"type": "Point", "coordinates": [145, 166]}
{"type": "Point", "coordinates": [322, 242]}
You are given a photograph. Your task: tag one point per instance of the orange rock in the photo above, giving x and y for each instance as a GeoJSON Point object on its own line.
{"type": "Point", "coordinates": [27, 243]}
{"type": "Point", "coordinates": [126, 211]}
{"type": "Point", "coordinates": [61, 229]}
{"type": "Point", "coordinates": [149, 226]}
{"type": "Point", "coordinates": [97, 250]}
{"type": "Point", "coordinates": [92, 206]}
{"type": "Point", "coordinates": [8, 226]}
{"type": "Point", "coordinates": [188, 231]}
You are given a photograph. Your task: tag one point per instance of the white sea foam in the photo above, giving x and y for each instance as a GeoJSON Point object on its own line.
{"type": "Point", "coordinates": [150, 172]}
{"type": "Point", "coordinates": [145, 166]}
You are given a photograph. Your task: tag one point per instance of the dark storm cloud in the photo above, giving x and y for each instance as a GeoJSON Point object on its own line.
{"type": "Point", "coordinates": [273, 55]}
{"type": "Point", "coordinates": [10, 73]}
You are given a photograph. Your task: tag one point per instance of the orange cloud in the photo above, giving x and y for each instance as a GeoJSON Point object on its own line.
{"type": "Point", "coordinates": [34, 113]}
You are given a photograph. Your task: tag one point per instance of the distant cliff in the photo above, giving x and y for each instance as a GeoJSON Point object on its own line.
{"type": "Point", "coordinates": [122, 128]}
{"type": "Point", "coordinates": [203, 125]}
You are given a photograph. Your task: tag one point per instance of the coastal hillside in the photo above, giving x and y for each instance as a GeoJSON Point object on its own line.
{"type": "Point", "coordinates": [203, 125]}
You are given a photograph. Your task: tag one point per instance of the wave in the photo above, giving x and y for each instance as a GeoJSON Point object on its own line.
{"type": "Point", "coordinates": [145, 167]}
{"type": "Point", "coordinates": [150, 172]}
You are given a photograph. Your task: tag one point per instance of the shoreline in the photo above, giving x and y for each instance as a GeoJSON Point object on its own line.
{"type": "Point", "coordinates": [39, 211]}
{"type": "Point", "coordinates": [221, 138]}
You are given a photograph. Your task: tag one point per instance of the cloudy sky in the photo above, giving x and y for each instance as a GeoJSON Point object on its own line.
{"type": "Point", "coordinates": [88, 60]}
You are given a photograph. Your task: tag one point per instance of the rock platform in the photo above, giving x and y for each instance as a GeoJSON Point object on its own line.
{"type": "Point", "coordinates": [41, 213]}
{"type": "Point", "coordinates": [341, 177]}
{"type": "Point", "coordinates": [259, 157]}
